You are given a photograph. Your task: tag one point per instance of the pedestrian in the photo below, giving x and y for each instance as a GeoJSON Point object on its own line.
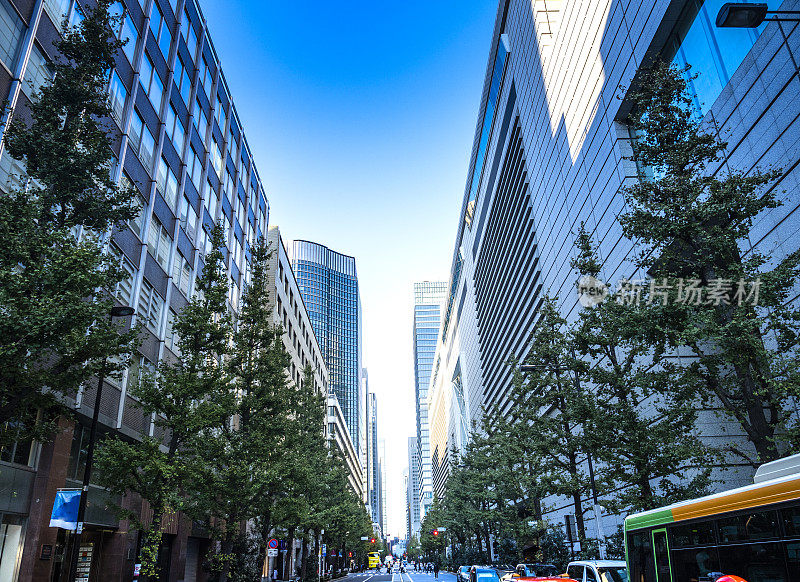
{"type": "Point", "coordinates": [436, 570]}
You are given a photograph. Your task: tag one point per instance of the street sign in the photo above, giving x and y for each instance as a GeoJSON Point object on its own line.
{"type": "Point", "coordinates": [272, 544]}
{"type": "Point", "coordinates": [272, 552]}
{"type": "Point", "coordinates": [364, 538]}
{"type": "Point", "coordinates": [324, 549]}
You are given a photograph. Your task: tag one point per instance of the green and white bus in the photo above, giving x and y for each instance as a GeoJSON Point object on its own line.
{"type": "Point", "coordinates": [752, 532]}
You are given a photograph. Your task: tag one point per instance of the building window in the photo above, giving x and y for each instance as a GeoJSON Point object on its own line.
{"type": "Point", "coordinates": [202, 121]}
{"type": "Point", "coordinates": [116, 96]}
{"type": "Point", "coordinates": [142, 141]}
{"type": "Point", "coordinates": [207, 79]}
{"type": "Point", "coordinates": [57, 10]}
{"type": "Point", "coordinates": [182, 275]}
{"type": "Point", "coordinates": [151, 83]}
{"type": "Point", "coordinates": [221, 117]}
{"type": "Point", "coordinates": [188, 218]}
{"type": "Point", "coordinates": [216, 158]}
{"type": "Point", "coordinates": [140, 368]}
{"type": "Point", "coordinates": [184, 81]}
{"type": "Point", "coordinates": [124, 290]}
{"type": "Point", "coordinates": [211, 200]}
{"type": "Point", "coordinates": [195, 169]}
{"type": "Point", "coordinates": [714, 53]}
{"type": "Point", "coordinates": [11, 29]}
{"type": "Point", "coordinates": [160, 30]}
{"type": "Point", "coordinates": [150, 305]}
{"type": "Point", "coordinates": [159, 243]}
{"type": "Point", "coordinates": [167, 184]}
{"type": "Point", "coordinates": [175, 129]}
{"type": "Point", "coordinates": [188, 33]}
{"type": "Point", "coordinates": [37, 73]}
{"type": "Point", "coordinates": [126, 30]}
{"type": "Point", "coordinates": [170, 337]}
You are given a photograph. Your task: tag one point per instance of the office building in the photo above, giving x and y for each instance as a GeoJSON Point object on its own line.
{"type": "Point", "coordinates": [413, 489]}
{"type": "Point", "coordinates": [180, 143]}
{"type": "Point", "coordinates": [289, 311]}
{"type": "Point", "coordinates": [329, 287]}
{"type": "Point", "coordinates": [374, 479]}
{"type": "Point", "coordinates": [428, 299]}
{"type": "Point", "coordinates": [550, 151]}
{"type": "Point", "coordinates": [339, 434]}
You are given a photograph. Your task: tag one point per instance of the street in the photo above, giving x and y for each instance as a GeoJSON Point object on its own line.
{"type": "Point", "coordinates": [396, 576]}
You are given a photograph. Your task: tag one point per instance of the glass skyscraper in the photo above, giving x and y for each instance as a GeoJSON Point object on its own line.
{"type": "Point", "coordinates": [329, 287]}
{"type": "Point", "coordinates": [428, 299]}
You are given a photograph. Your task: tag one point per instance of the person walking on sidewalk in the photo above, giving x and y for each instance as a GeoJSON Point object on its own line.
{"type": "Point", "coordinates": [436, 570]}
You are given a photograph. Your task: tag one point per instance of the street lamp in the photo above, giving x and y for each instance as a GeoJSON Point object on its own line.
{"type": "Point", "coordinates": [527, 369]}
{"type": "Point", "coordinates": [751, 15]}
{"type": "Point", "coordinates": [116, 311]}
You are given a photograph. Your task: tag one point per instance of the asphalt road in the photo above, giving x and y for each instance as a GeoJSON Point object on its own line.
{"type": "Point", "coordinates": [396, 576]}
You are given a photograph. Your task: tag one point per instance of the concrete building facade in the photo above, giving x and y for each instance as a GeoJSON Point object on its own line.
{"type": "Point", "coordinates": [550, 152]}
{"type": "Point", "coordinates": [178, 140]}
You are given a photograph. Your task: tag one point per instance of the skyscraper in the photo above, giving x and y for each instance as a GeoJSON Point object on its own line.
{"type": "Point", "coordinates": [428, 298]}
{"type": "Point", "coordinates": [329, 287]}
{"type": "Point", "coordinates": [374, 469]}
{"type": "Point", "coordinates": [413, 489]}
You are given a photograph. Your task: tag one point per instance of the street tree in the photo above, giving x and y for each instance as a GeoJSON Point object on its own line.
{"type": "Point", "coordinates": [550, 407]}
{"type": "Point", "coordinates": [643, 428]}
{"type": "Point", "coordinates": [692, 212]}
{"type": "Point", "coordinates": [188, 397]}
{"type": "Point", "coordinates": [56, 281]}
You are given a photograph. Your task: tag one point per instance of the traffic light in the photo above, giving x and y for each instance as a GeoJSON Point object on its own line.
{"type": "Point", "coordinates": [350, 554]}
{"type": "Point", "coordinates": [372, 541]}
{"type": "Point", "coordinates": [435, 532]}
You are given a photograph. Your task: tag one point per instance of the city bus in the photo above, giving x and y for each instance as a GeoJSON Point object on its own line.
{"type": "Point", "coordinates": [752, 532]}
{"type": "Point", "coordinates": [374, 560]}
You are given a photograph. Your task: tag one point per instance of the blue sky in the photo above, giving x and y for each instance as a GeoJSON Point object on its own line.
{"type": "Point", "coordinates": [361, 117]}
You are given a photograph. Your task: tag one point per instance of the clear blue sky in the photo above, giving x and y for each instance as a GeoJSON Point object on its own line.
{"type": "Point", "coordinates": [361, 117]}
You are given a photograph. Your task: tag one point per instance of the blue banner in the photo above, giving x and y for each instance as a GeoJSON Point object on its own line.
{"type": "Point", "coordinates": [65, 509]}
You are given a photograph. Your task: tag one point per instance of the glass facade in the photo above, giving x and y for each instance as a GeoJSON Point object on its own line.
{"type": "Point", "coordinates": [329, 287]}
{"type": "Point", "coordinates": [713, 53]}
{"type": "Point", "coordinates": [429, 297]}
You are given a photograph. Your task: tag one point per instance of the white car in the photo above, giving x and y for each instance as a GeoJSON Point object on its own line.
{"type": "Point", "coordinates": [598, 571]}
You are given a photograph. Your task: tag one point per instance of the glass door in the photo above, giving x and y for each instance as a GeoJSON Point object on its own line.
{"type": "Point", "coordinates": [661, 555]}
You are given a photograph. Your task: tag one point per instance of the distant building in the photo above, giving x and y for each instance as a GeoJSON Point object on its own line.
{"type": "Point", "coordinates": [374, 479]}
{"type": "Point", "coordinates": [413, 489]}
{"type": "Point", "coordinates": [428, 299]}
{"type": "Point", "coordinates": [329, 286]}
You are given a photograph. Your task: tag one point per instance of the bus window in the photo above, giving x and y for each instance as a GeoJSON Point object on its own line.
{"type": "Point", "coordinates": [754, 562]}
{"type": "Point", "coordinates": [791, 521]}
{"type": "Point", "coordinates": [640, 553]}
{"type": "Point", "coordinates": [793, 560]}
{"type": "Point", "coordinates": [661, 551]}
{"type": "Point", "coordinates": [749, 527]}
{"type": "Point", "coordinates": [693, 565]}
{"type": "Point", "coordinates": [693, 534]}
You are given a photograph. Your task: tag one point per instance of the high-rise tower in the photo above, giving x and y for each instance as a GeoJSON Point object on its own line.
{"type": "Point", "coordinates": [428, 299]}
{"type": "Point", "coordinates": [329, 287]}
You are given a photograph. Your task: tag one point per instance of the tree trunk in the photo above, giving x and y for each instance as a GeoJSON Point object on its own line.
{"type": "Point", "coordinates": [304, 558]}
{"type": "Point", "coordinates": [288, 564]}
{"type": "Point", "coordinates": [226, 548]}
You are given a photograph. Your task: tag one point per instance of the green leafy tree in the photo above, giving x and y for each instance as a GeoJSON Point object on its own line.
{"type": "Point", "coordinates": [643, 429]}
{"type": "Point", "coordinates": [236, 455]}
{"type": "Point", "coordinates": [691, 213]}
{"type": "Point", "coordinates": [188, 397]}
{"type": "Point", "coordinates": [56, 283]}
{"type": "Point", "coordinates": [551, 408]}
